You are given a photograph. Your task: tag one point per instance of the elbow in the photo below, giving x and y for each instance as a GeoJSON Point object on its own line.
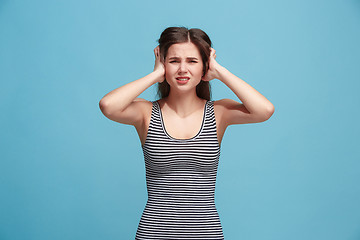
{"type": "Point", "coordinates": [266, 113]}
{"type": "Point", "coordinates": [103, 107]}
{"type": "Point", "coordinates": [269, 112]}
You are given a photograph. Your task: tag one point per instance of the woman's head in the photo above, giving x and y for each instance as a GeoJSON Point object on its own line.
{"type": "Point", "coordinates": [201, 40]}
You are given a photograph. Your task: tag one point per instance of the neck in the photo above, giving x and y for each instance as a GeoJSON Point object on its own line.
{"type": "Point", "coordinates": [184, 104]}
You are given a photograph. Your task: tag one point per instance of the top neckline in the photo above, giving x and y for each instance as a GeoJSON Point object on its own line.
{"type": "Point", "coordinates": [183, 139]}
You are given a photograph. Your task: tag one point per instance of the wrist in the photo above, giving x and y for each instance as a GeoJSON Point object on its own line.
{"type": "Point", "coordinates": [220, 72]}
{"type": "Point", "coordinates": [158, 76]}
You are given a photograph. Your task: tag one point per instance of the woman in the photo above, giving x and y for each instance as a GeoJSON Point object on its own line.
{"type": "Point", "coordinates": [181, 133]}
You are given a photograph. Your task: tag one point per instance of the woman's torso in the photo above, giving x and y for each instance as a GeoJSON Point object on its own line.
{"type": "Point", "coordinates": [180, 179]}
{"type": "Point", "coordinates": [179, 127]}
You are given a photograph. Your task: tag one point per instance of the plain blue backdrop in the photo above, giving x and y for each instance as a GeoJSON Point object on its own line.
{"type": "Point", "coordinates": [68, 172]}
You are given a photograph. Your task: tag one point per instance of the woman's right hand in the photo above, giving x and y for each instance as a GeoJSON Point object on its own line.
{"type": "Point", "coordinates": [159, 65]}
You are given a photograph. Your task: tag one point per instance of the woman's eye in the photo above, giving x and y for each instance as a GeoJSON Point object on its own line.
{"type": "Point", "coordinates": [178, 61]}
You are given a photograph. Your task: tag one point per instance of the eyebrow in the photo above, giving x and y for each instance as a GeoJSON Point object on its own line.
{"type": "Point", "coordinates": [194, 58]}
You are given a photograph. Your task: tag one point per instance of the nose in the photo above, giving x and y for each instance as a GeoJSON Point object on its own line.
{"type": "Point", "coordinates": [182, 67]}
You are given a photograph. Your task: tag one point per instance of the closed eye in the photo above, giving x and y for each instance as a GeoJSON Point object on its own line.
{"type": "Point", "coordinates": [192, 61]}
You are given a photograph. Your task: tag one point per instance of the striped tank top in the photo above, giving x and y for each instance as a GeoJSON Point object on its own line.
{"type": "Point", "coordinates": [180, 180]}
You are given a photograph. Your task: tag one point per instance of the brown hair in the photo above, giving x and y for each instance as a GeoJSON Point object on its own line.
{"type": "Point", "coordinates": [172, 35]}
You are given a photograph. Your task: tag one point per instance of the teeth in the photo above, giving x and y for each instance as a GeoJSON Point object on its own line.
{"type": "Point", "coordinates": [183, 79]}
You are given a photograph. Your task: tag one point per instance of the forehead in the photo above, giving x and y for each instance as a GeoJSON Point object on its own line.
{"type": "Point", "coordinates": [187, 49]}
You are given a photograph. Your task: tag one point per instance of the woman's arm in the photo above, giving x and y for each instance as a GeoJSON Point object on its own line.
{"type": "Point", "coordinates": [254, 108]}
{"type": "Point", "coordinates": [120, 104]}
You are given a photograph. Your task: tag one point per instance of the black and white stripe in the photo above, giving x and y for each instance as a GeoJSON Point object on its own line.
{"type": "Point", "coordinates": [180, 178]}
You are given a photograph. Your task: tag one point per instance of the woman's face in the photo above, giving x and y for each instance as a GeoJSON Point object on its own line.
{"type": "Point", "coordinates": [183, 66]}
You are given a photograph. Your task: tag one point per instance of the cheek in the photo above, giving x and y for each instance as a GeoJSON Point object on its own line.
{"type": "Point", "coordinates": [198, 70]}
{"type": "Point", "coordinates": [168, 69]}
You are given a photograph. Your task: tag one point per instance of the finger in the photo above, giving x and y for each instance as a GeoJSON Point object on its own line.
{"type": "Point", "coordinates": [158, 49]}
{"type": "Point", "coordinates": [157, 53]}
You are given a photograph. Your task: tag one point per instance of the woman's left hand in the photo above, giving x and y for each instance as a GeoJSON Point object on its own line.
{"type": "Point", "coordinates": [213, 67]}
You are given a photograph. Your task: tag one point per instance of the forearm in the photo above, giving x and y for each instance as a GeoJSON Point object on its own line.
{"type": "Point", "coordinates": [254, 102]}
{"type": "Point", "coordinates": [120, 98]}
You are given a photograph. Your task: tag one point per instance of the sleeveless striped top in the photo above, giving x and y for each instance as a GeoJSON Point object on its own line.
{"type": "Point", "coordinates": [180, 179]}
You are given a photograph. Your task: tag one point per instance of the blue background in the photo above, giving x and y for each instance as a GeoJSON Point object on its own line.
{"type": "Point", "coordinates": [68, 172]}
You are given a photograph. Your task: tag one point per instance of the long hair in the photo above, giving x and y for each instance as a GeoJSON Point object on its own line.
{"type": "Point", "coordinates": [172, 35]}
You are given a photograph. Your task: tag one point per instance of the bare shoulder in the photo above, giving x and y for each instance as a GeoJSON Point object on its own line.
{"type": "Point", "coordinates": [136, 113]}
{"type": "Point", "coordinates": [227, 104]}
{"type": "Point", "coordinates": [141, 100]}
{"type": "Point", "coordinates": [142, 126]}
{"type": "Point", "coordinates": [145, 106]}
{"type": "Point", "coordinates": [143, 109]}
{"type": "Point", "coordinates": [143, 103]}
{"type": "Point", "coordinates": [231, 112]}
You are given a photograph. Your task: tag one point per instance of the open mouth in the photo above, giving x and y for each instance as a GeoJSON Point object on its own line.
{"type": "Point", "coordinates": [182, 80]}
